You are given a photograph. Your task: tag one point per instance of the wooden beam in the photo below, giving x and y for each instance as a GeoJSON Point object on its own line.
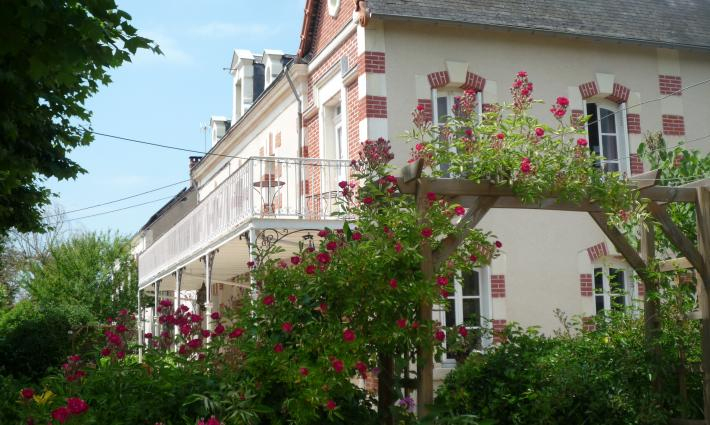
{"type": "Point", "coordinates": [669, 194]}
{"type": "Point", "coordinates": [552, 204]}
{"type": "Point", "coordinates": [679, 240]}
{"type": "Point", "coordinates": [651, 303]}
{"type": "Point", "coordinates": [622, 245]}
{"type": "Point", "coordinates": [673, 264]}
{"type": "Point", "coordinates": [697, 183]}
{"type": "Point", "coordinates": [647, 179]}
{"type": "Point", "coordinates": [411, 171]}
{"type": "Point", "coordinates": [425, 355]}
{"type": "Point", "coordinates": [472, 217]}
{"type": "Point", "coordinates": [702, 214]}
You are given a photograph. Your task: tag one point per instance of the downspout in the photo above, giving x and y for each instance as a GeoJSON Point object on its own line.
{"type": "Point", "coordinates": [299, 129]}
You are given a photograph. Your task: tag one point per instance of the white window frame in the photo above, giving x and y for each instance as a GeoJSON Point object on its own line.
{"type": "Point", "coordinates": [623, 149]}
{"type": "Point", "coordinates": [484, 296]}
{"type": "Point", "coordinates": [601, 272]}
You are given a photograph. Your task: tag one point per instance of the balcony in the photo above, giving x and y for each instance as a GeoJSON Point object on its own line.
{"type": "Point", "coordinates": [286, 191]}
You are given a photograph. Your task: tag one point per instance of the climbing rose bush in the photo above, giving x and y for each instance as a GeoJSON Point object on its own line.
{"type": "Point", "coordinates": [507, 146]}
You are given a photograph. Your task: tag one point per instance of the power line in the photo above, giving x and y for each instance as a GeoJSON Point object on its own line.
{"type": "Point", "coordinates": [119, 200]}
{"type": "Point", "coordinates": [121, 209]}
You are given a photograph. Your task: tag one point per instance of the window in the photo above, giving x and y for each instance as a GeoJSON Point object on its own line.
{"type": "Point", "coordinates": [468, 304]}
{"type": "Point", "coordinates": [607, 135]}
{"type": "Point", "coordinates": [612, 290]}
{"type": "Point", "coordinates": [445, 100]}
{"type": "Point", "coordinates": [333, 7]}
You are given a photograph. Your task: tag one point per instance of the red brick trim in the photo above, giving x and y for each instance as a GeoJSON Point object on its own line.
{"type": "Point", "coordinates": [474, 82]}
{"type": "Point", "coordinates": [673, 125]}
{"type": "Point", "coordinates": [487, 107]}
{"type": "Point", "coordinates": [373, 62]}
{"type": "Point", "coordinates": [428, 111]}
{"type": "Point", "coordinates": [619, 94]}
{"type": "Point", "coordinates": [641, 289]}
{"type": "Point", "coordinates": [373, 107]}
{"type": "Point", "coordinates": [588, 89]}
{"type": "Point", "coordinates": [498, 286]}
{"type": "Point", "coordinates": [498, 328]}
{"type": "Point", "coordinates": [633, 123]}
{"type": "Point", "coordinates": [670, 84]}
{"type": "Point", "coordinates": [636, 164]}
{"type": "Point", "coordinates": [586, 285]}
{"type": "Point", "coordinates": [438, 79]}
{"type": "Point", "coordinates": [588, 324]}
{"type": "Point", "coordinates": [678, 160]}
{"type": "Point", "coordinates": [597, 251]}
{"type": "Point", "coordinates": [575, 116]}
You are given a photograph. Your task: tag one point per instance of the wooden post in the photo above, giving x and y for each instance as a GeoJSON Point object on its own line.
{"type": "Point", "coordinates": [651, 307]}
{"type": "Point", "coordinates": [385, 388]}
{"type": "Point", "coordinates": [425, 356]}
{"type": "Point", "coordinates": [178, 288]}
{"type": "Point", "coordinates": [703, 225]}
{"type": "Point", "coordinates": [141, 328]}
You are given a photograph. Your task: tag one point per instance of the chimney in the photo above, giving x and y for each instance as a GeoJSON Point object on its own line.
{"type": "Point", "coordinates": [273, 64]}
{"type": "Point", "coordinates": [219, 127]}
{"type": "Point", "coordinates": [247, 81]}
{"type": "Point", "coordinates": [194, 160]}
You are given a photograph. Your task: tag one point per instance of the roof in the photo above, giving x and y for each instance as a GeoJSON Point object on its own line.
{"type": "Point", "coordinates": [175, 199]}
{"type": "Point", "coordinates": [671, 23]}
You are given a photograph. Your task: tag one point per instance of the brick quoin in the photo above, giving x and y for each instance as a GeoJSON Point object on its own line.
{"type": "Point", "coordinates": [327, 27]}
{"type": "Point", "coordinates": [636, 164]}
{"type": "Point", "coordinates": [353, 115]}
{"type": "Point", "coordinates": [585, 285]}
{"type": "Point", "coordinates": [588, 324]}
{"type": "Point", "coordinates": [597, 251]}
{"type": "Point", "coordinates": [438, 79]}
{"type": "Point", "coordinates": [673, 125]}
{"type": "Point", "coordinates": [498, 328]}
{"type": "Point", "coordinates": [620, 94]}
{"type": "Point", "coordinates": [373, 62]}
{"type": "Point", "coordinates": [428, 111]}
{"type": "Point", "coordinates": [498, 286]}
{"type": "Point", "coordinates": [633, 123]}
{"type": "Point", "coordinates": [588, 89]}
{"type": "Point", "coordinates": [670, 84]}
{"type": "Point", "coordinates": [473, 82]}
{"type": "Point", "coordinates": [373, 107]}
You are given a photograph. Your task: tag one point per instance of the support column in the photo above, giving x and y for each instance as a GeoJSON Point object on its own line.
{"type": "Point", "coordinates": [651, 305]}
{"type": "Point", "coordinates": [425, 361]}
{"type": "Point", "coordinates": [702, 209]}
{"type": "Point", "coordinates": [156, 303]}
{"type": "Point", "coordinates": [251, 242]}
{"type": "Point", "coordinates": [209, 260]}
{"type": "Point", "coordinates": [140, 325]}
{"type": "Point", "coordinates": [178, 288]}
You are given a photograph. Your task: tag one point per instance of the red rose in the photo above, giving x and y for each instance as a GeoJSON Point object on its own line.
{"type": "Point", "coordinates": [343, 184]}
{"type": "Point", "coordinates": [415, 324]}
{"type": "Point", "coordinates": [367, 200]}
{"type": "Point", "coordinates": [236, 333]}
{"type": "Point", "coordinates": [148, 335]}
{"type": "Point", "coordinates": [539, 132]}
{"type": "Point", "coordinates": [562, 101]}
{"type": "Point", "coordinates": [331, 246]}
{"type": "Point", "coordinates": [250, 264]}
{"type": "Point", "coordinates": [166, 303]}
{"type": "Point", "coordinates": [287, 327]}
{"type": "Point", "coordinates": [522, 74]}
{"type": "Point", "coordinates": [463, 331]}
{"type": "Point", "coordinates": [582, 142]}
{"type": "Point", "coordinates": [218, 330]}
{"type": "Point", "coordinates": [323, 258]}
{"type": "Point", "coordinates": [215, 315]}
{"type": "Point", "coordinates": [431, 196]}
{"type": "Point", "coordinates": [122, 312]}
{"type": "Point", "coordinates": [292, 299]}
{"type": "Point", "coordinates": [310, 269]}
{"type": "Point", "coordinates": [205, 332]}
{"type": "Point", "coordinates": [323, 307]}
{"type": "Point", "coordinates": [473, 258]}
{"type": "Point", "coordinates": [393, 283]}
{"type": "Point", "coordinates": [303, 371]}
{"type": "Point", "coordinates": [398, 247]}
{"type": "Point", "coordinates": [331, 405]}
{"type": "Point", "coordinates": [440, 335]}
{"type": "Point", "coordinates": [499, 244]}
{"type": "Point", "coordinates": [278, 348]}
{"type": "Point", "coordinates": [500, 136]}
{"type": "Point", "coordinates": [402, 323]}
{"type": "Point", "coordinates": [525, 165]}
{"type": "Point", "coordinates": [357, 236]}
{"type": "Point", "coordinates": [444, 293]}
{"type": "Point", "coordinates": [337, 365]}
{"type": "Point", "coordinates": [323, 233]}
{"type": "Point", "coordinates": [459, 210]}
{"type": "Point", "coordinates": [420, 107]}
{"type": "Point", "coordinates": [442, 280]}
{"type": "Point", "coordinates": [427, 232]}
{"type": "Point", "coordinates": [348, 335]}
{"type": "Point", "coordinates": [61, 414]}
{"type": "Point", "coordinates": [77, 406]}
{"type": "Point", "coordinates": [105, 352]}
{"type": "Point", "coordinates": [469, 132]}
{"type": "Point", "coordinates": [195, 343]}
{"type": "Point", "coordinates": [27, 393]}
{"type": "Point", "coordinates": [268, 300]}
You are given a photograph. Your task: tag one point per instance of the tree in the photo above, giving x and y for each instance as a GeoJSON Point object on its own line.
{"type": "Point", "coordinates": [91, 270]}
{"type": "Point", "coordinates": [53, 56]}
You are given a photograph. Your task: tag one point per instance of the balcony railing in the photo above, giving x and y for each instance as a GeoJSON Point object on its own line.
{"type": "Point", "coordinates": [263, 187]}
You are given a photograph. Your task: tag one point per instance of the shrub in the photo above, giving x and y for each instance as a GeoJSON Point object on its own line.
{"type": "Point", "coordinates": [34, 338]}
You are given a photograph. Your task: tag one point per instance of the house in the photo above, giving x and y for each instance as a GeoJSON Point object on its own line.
{"type": "Point", "coordinates": [362, 66]}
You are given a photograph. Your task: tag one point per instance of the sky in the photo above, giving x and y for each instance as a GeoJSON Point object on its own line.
{"type": "Point", "coordinates": [165, 99]}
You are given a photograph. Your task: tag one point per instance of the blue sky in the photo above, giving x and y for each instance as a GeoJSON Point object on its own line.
{"type": "Point", "coordinates": [163, 99]}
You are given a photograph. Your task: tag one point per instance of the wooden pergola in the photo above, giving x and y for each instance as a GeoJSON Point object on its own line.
{"type": "Point", "coordinates": [479, 198]}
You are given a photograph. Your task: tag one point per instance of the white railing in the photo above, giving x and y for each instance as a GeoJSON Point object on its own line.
{"type": "Point", "coordinates": [263, 187]}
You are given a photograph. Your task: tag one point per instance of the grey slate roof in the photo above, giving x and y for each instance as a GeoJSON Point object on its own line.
{"type": "Point", "coordinates": [673, 23]}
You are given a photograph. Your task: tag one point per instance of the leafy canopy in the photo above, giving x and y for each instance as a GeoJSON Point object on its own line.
{"type": "Point", "coordinates": [53, 56]}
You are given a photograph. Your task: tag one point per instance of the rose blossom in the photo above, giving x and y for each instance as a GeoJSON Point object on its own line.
{"type": "Point", "coordinates": [393, 283]}
{"type": "Point", "coordinates": [236, 333]}
{"type": "Point", "coordinates": [310, 269]}
{"type": "Point", "coordinates": [525, 165]}
{"type": "Point", "coordinates": [27, 393]}
{"type": "Point", "coordinates": [292, 299]}
{"type": "Point", "coordinates": [499, 244]}
{"type": "Point", "coordinates": [539, 132]}
{"type": "Point", "coordinates": [582, 142]}
{"type": "Point", "coordinates": [303, 371]}
{"type": "Point", "coordinates": [440, 335]}
{"type": "Point", "coordinates": [218, 330]}
{"type": "Point", "coordinates": [463, 331]}
{"type": "Point", "coordinates": [442, 280]}
{"type": "Point", "coordinates": [427, 232]}
{"type": "Point", "coordinates": [331, 246]}
{"type": "Point", "coordinates": [323, 258]}
{"type": "Point", "coordinates": [348, 335]}
{"type": "Point", "coordinates": [402, 323]}
{"type": "Point", "coordinates": [61, 414]}
{"type": "Point", "coordinates": [77, 406]}
{"type": "Point", "coordinates": [337, 365]}
{"type": "Point", "coordinates": [287, 327]}
{"type": "Point", "coordinates": [331, 405]}
{"type": "Point", "coordinates": [268, 300]}
{"type": "Point", "coordinates": [278, 348]}
{"type": "Point", "coordinates": [459, 210]}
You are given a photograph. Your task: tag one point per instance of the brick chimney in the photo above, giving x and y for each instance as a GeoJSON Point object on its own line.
{"type": "Point", "coordinates": [194, 160]}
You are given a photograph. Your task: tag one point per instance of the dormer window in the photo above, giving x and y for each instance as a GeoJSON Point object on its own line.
{"type": "Point", "coordinates": [333, 7]}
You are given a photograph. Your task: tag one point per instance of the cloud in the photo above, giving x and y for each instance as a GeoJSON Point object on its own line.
{"type": "Point", "coordinates": [172, 53]}
{"type": "Point", "coordinates": [226, 29]}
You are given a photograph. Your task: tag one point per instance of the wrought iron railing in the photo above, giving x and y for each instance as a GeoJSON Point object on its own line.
{"type": "Point", "coordinates": [263, 187]}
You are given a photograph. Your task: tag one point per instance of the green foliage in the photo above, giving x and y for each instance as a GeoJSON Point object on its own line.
{"type": "Point", "coordinates": [93, 270]}
{"type": "Point", "coordinates": [54, 56]}
{"type": "Point", "coordinates": [34, 338]}
{"type": "Point", "coordinates": [604, 376]}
